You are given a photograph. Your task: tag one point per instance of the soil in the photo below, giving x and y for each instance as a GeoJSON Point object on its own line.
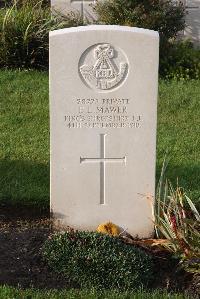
{"type": "Point", "coordinates": [23, 231]}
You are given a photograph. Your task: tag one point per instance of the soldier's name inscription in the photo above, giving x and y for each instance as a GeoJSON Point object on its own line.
{"type": "Point", "coordinates": [103, 113]}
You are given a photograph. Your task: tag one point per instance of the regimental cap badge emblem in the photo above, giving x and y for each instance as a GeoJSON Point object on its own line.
{"type": "Point", "coordinates": [103, 67]}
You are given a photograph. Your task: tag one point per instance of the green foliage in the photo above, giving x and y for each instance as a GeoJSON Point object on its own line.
{"type": "Point", "coordinates": [24, 36]}
{"type": "Point", "coordinates": [178, 220]}
{"type": "Point", "coordinates": [97, 260]}
{"type": "Point", "coordinates": [9, 3]}
{"type": "Point", "coordinates": [180, 61]}
{"type": "Point", "coordinates": [24, 33]}
{"type": "Point", "coordinates": [163, 16]}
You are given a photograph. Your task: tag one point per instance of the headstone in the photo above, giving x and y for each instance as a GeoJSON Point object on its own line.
{"type": "Point", "coordinates": [192, 30]}
{"type": "Point", "coordinates": [103, 90]}
{"type": "Point", "coordinates": [83, 7]}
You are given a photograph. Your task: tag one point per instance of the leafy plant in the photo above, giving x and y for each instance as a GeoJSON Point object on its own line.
{"type": "Point", "coordinates": [177, 219]}
{"type": "Point", "coordinates": [24, 33]}
{"type": "Point", "coordinates": [98, 260]}
{"type": "Point", "coordinates": [182, 61]}
{"type": "Point", "coordinates": [9, 3]}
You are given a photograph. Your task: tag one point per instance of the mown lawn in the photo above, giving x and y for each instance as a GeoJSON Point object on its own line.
{"type": "Point", "coordinates": [24, 135]}
{"type": "Point", "coordinates": [13, 293]}
{"type": "Point", "coordinates": [179, 134]}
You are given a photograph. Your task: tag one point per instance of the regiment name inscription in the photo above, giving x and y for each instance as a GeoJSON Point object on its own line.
{"type": "Point", "coordinates": [103, 113]}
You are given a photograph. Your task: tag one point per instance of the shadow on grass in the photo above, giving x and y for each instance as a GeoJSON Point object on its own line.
{"type": "Point", "coordinates": [24, 183]}
{"type": "Point", "coordinates": [28, 182]}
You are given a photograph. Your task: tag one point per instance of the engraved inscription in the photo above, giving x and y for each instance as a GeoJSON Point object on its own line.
{"type": "Point", "coordinates": [103, 113]}
{"type": "Point", "coordinates": [103, 67]}
{"type": "Point", "coordinates": [102, 160]}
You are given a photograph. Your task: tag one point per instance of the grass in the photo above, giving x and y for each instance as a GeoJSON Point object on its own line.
{"type": "Point", "coordinates": [24, 135]}
{"type": "Point", "coordinates": [24, 127]}
{"type": "Point", "coordinates": [178, 133]}
{"type": "Point", "coordinates": [13, 293]}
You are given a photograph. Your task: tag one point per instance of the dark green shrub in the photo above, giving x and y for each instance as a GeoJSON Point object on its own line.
{"type": "Point", "coordinates": [24, 33]}
{"type": "Point", "coordinates": [97, 260]}
{"type": "Point", "coordinates": [164, 16]}
{"type": "Point", "coordinates": [181, 61]}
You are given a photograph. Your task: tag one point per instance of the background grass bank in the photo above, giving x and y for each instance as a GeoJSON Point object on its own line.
{"type": "Point", "coordinates": [24, 135]}
{"type": "Point", "coordinates": [8, 293]}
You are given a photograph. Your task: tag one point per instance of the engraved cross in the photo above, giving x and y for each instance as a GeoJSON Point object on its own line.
{"type": "Point", "coordinates": [83, 2]}
{"type": "Point", "coordinates": [102, 160]}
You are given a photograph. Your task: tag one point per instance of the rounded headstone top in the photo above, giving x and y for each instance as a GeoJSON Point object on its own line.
{"type": "Point", "coordinates": [105, 28]}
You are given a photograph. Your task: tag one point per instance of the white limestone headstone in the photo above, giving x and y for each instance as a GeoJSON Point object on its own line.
{"type": "Point", "coordinates": [103, 92]}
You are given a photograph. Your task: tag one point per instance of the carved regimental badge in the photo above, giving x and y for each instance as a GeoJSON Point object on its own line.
{"type": "Point", "coordinates": [103, 67]}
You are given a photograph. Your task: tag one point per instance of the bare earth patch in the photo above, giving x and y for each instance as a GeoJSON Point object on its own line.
{"type": "Point", "coordinates": [20, 244]}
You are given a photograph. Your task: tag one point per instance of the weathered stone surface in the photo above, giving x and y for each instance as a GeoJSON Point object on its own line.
{"type": "Point", "coordinates": [192, 30]}
{"type": "Point", "coordinates": [103, 90]}
{"type": "Point", "coordinates": [84, 7]}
